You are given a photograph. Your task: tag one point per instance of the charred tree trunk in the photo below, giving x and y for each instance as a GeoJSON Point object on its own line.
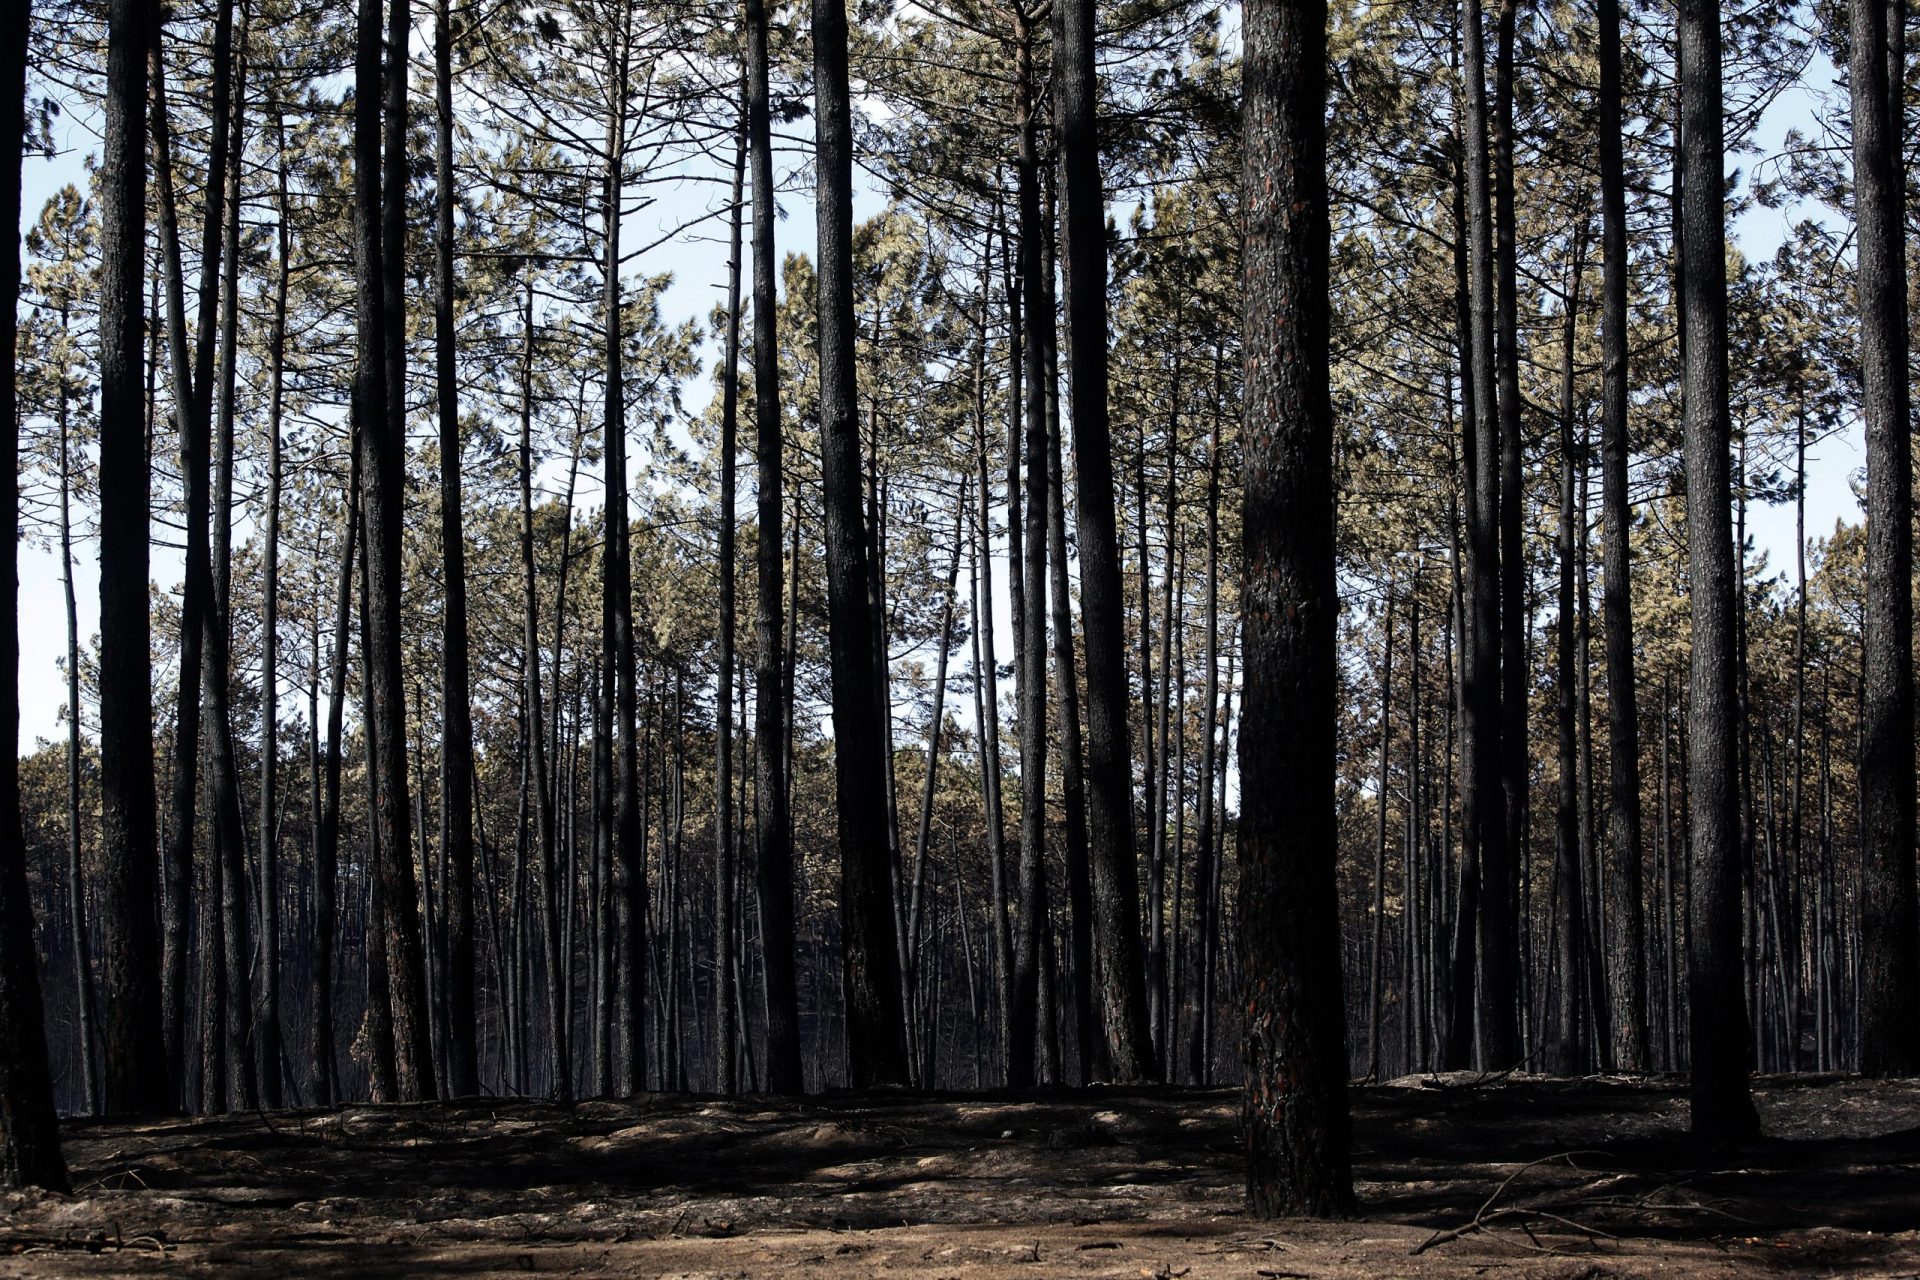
{"type": "Point", "coordinates": [456, 715]}
{"type": "Point", "coordinates": [876, 1042]}
{"type": "Point", "coordinates": [773, 819]}
{"type": "Point", "coordinates": [1083, 253]}
{"type": "Point", "coordinates": [1295, 1110]}
{"type": "Point", "coordinates": [1720, 1039]}
{"type": "Point", "coordinates": [29, 1129]}
{"type": "Point", "coordinates": [1890, 946]}
{"type": "Point", "coordinates": [137, 1063]}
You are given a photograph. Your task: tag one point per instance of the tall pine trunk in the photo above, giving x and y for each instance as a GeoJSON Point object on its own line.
{"type": "Point", "coordinates": [1629, 989]}
{"type": "Point", "coordinates": [1720, 1038]}
{"type": "Point", "coordinates": [774, 860]}
{"type": "Point", "coordinates": [456, 715]}
{"type": "Point", "coordinates": [29, 1130]}
{"type": "Point", "coordinates": [876, 1041]}
{"type": "Point", "coordinates": [136, 1060]}
{"type": "Point", "coordinates": [1295, 1111]}
{"type": "Point", "coordinates": [1890, 947]}
{"type": "Point", "coordinates": [1083, 253]}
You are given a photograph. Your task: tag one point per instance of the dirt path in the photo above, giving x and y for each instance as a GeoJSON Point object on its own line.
{"type": "Point", "coordinates": [1577, 1178]}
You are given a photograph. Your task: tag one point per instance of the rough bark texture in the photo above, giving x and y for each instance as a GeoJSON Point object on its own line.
{"type": "Point", "coordinates": [379, 407]}
{"type": "Point", "coordinates": [1030, 572]}
{"type": "Point", "coordinates": [456, 712]}
{"type": "Point", "coordinates": [876, 1043]}
{"type": "Point", "coordinates": [1483, 928]}
{"type": "Point", "coordinates": [136, 1064]}
{"type": "Point", "coordinates": [29, 1131]}
{"type": "Point", "coordinates": [725, 1026]}
{"type": "Point", "coordinates": [1083, 253]}
{"type": "Point", "coordinates": [1629, 962]}
{"type": "Point", "coordinates": [1294, 1120]}
{"type": "Point", "coordinates": [1720, 1037]}
{"type": "Point", "coordinates": [774, 823]}
{"type": "Point", "coordinates": [1889, 945]}
{"type": "Point", "coordinates": [1499, 1025]}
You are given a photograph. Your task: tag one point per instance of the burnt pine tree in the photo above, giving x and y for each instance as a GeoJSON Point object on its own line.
{"type": "Point", "coordinates": [1109, 768]}
{"type": "Point", "coordinates": [1294, 1117]}
{"type": "Point", "coordinates": [136, 1067]}
{"type": "Point", "coordinates": [191, 377]}
{"type": "Point", "coordinates": [1499, 1029]}
{"type": "Point", "coordinates": [29, 1130]}
{"type": "Point", "coordinates": [774, 856]}
{"type": "Point", "coordinates": [1484, 864]}
{"type": "Point", "coordinates": [1629, 961]}
{"type": "Point", "coordinates": [1890, 949]}
{"type": "Point", "coordinates": [462, 1078]}
{"type": "Point", "coordinates": [379, 236]}
{"type": "Point", "coordinates": [1720, 1037]}
{"type": "Point", "coordinates": [876, 1027]}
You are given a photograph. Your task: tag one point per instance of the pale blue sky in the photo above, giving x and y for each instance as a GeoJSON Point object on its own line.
{"type": "Point", "coordinates": [699, 267]}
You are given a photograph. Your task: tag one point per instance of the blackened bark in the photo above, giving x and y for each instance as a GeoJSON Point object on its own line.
{"type": "Point", "coordinates": [1073, 782]}
{"type": "Point", "coordinates": [379, 403]}
{"type": "Point", "coordinates": [1029, 573]}
{"type": "Point", "coordinates": [326, 843]}
{"type": "Point", "coordinates": [559, 1058]}
{"type": "Point", "coordinates": [1890, 947]}
{"type": "Point", "coordinates": [456, 713]}
{"type": "Point", "coordinates": [1083, 253]}
{"type": "Point", "coordinates": [1499, 899]}
{"type": "Point", "coordinates": [192, 377]}
{"type": "Point", "coordinates": [1295, 1113]}
{"type": "Point", "coordinates": [267, 994]}
{"type": "Point", "coordinates": [876, 1043]}
{"type": "Point", "coordinates": [628, 858]}
{"type": "Point", "coordinates": [1629, 965]}
{"type": "Point", "coordinates": [1203, 905]}
{"type": "Point", "coordinates": [29, 1130]}
{"type": "Point", "coordinates": [136, 1061]}
{"type": "Point", "coordinates": [773, 820]}
{"type": "Point", "coordinates": [1483, 928]}
{"type": "Point", "coordinates": [1564, 1050]}
{"type": "Point", "coordinates": [1720, 1037]}
{"type": "Point", "coordinates": [725, 1028]}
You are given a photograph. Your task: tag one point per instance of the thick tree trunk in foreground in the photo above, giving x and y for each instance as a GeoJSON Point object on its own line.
{"type": "Point", "coordinates": [29, 1130]}
{"type": "Point", "coordinates": [1295, 1113]}
{"type": "Point", "coordinates": [1720, 1038]}
{"type": "Point", "coordinates": [1083, 252]}
{"type": "Point", "coordinates": [1889, 945]}
{"type": "Point", "coordinates": [136, 1062]}
{"type": "Point", "coordinates": [876, 1042]}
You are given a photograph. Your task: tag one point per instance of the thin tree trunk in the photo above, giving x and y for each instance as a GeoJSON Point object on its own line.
{"type": "Point", "coordinates": [1028, 570]}
{"type": "Point", "coordinates": [82, 951]}
{"type": "Point", "coordinates": [1116, 889]}
{"type": "Point", "coordinates": [1377, 975]}
{"type": "Point", "coordinates": [267, 1014]}
{"type": "Point", "coordinates": [773, 818]}
{"type": "Point", "coordinates": [462, 1066]}
{"type": "Point", "coordinates": [725, 1030]}
{"type": "Point", "coordinates": [1629, 988]}
{"type": "Point", "coordinates": [876, 1045]}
